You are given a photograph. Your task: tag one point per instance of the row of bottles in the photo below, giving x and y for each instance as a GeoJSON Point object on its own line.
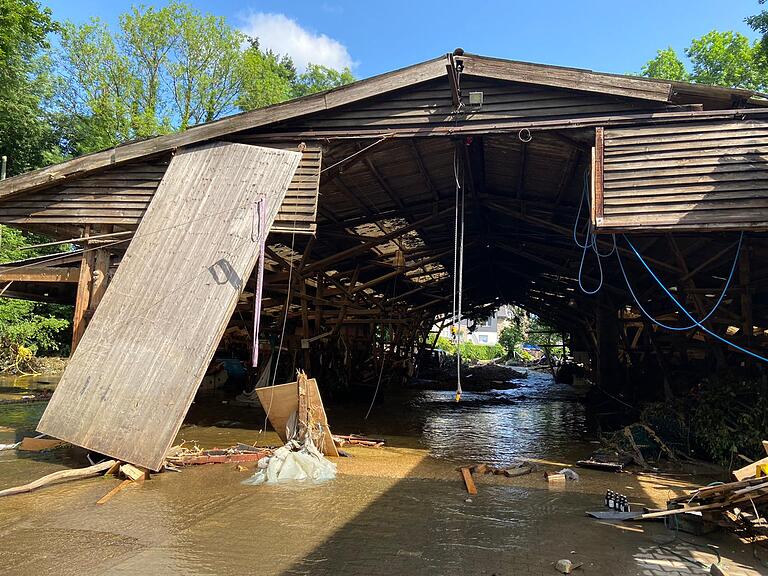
{"type": "Point", "coordinates": [617, 501]}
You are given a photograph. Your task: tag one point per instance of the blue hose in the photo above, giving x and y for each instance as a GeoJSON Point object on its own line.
{"type": "Point", "coordinates": [590, 243]}
{"type": "Point", "coordinates": [685, 311]}
{"type": "Point", "coordinates": [695, 322]}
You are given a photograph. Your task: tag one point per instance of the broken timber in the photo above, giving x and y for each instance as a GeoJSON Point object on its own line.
{"type": "Point", "coordinates": [281, 401]}
{"type": "Point", "coordinates": [135, 372]}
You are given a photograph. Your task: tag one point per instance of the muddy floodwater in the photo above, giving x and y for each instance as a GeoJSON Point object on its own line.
{"type": "Point", "coordinates": [400, 509]}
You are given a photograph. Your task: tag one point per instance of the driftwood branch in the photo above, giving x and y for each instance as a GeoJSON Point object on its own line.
{"type": "Point", "coordinates": [61, 475]}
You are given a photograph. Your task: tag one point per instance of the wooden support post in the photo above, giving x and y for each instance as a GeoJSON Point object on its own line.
{"type": "Point", "coordinates": [100, 275]}
{"type": "Point", "coordinates": [698, 303]}
{"type": "Point", "coordinates": [747, 326]}
{"type": "Point", "coordinates": [608, 344]}
{"type": "Point", "coordinates": [83, 298]}
{"type": "Point", "coordinates": [318, 306]}
{"type": "Point", "coordinates": [305, 324]}
{"type": "Point", "coordinates": [303, 409]}
{"type": "Point", "coordinates": [92, 282]}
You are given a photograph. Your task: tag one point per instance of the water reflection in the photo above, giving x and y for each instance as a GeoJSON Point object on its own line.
{"type": "Point", "coordinates": [500, 426]}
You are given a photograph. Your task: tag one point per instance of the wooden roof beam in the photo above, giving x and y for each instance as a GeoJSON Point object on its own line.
{"type": "Point", "coordinates": [368, 245]}
{"type": "Point", "coordinates": [423, 170]}
{"type": "Point", "coordinates": [374, 86]}
{"type": "Point", "coordinates": [569, 78]}
{"type": "Point", "coordinates": [39, 274]}
{"type": "Point", "coordinates": [604, 244]}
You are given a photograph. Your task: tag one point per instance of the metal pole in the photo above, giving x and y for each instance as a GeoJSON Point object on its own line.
{"type": "Point", "coordinates": [3, 164]}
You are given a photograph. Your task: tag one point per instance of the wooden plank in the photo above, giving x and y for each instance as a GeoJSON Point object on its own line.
{"type": "Point", "coordinates": [39, 444]}
{"type": "Point", "coordinates": [598, 177]}
{"type": "Point", "coordinates": [283, 400]}
{"type": "Point", "coordinates": [39, 274]}
{"type": "Point", "coordinates": [749, 470]}
{"type": "Point", "coordinates": [469, 482]}
{"type": "Point", "coordinates": [119, 488]}
{"type": "Point", "coordinates": [129, 383]}
{"type": "Point", "coordinates": [675, 511]}
{"type": "Point", "coordinates": [83, 296]}
{"type": "Point", "coordinates": [132, 472]}
{"type": "Point", "coordinates": [571, 78]}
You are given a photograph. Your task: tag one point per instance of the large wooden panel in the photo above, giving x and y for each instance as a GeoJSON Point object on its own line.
{"type": "Point", "coordinates": [131, 379]}
{"type": "Point", "coordinates": [687, 176]}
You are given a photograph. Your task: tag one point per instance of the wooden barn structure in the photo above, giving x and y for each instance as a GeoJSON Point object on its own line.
{"type": "Point", "coordinates": [360, 257]}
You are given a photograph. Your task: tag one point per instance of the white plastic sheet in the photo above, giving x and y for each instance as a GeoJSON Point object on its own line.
{"type": "Point", "coordinates": [294, 462]}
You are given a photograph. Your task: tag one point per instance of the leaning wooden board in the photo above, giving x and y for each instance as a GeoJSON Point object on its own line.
{"type": "Point", "coordinates": [134, 374]}
{"type": "Point", "coordinates": [283, 400]}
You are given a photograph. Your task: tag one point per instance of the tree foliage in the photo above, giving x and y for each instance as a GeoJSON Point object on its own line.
{"type": "Point", "coordinates": [666, 65]}
{"type": "Point", "coordinates": [318, 78]}
{"type": "Point", "coordinates": [26, 136]}
{"type": "Point", "coordinates": [267, 78]}
{"type": "Point", "coordinates": [526, 328]}
{"type": "Point", "coordinates": [37, 327]}
{"type": "Point", "coordinates": [718, 58]}
{"type": "Point", "coordinates": [166, 69]}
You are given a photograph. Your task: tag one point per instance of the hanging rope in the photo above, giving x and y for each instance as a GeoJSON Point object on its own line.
{"type": "Point", "coordinates": [458, 267]}
{"type": "Point", "coordinates": [383, 357]}
{"type": "Point", "coordinates": [285, 315]}
{"type": "Point", "coordinates": [259, 235]}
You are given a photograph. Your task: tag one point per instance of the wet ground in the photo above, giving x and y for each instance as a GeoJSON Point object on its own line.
{"type": "Point", "coordinates": [401, 509]}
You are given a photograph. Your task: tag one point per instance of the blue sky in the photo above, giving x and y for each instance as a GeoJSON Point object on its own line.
{"type": "Point", "coordinates": [374, 37]}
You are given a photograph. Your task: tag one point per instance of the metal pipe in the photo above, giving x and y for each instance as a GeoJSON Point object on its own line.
{"type": "Point", "coordinates": [3, 164]}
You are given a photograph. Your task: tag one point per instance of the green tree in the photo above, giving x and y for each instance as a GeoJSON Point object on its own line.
{"type": "Point", "coordinates": [26, 136]}
{"type": "Point", "coordinates": [718, 58]}
{"type": "Point", "coordinates": [667, 65]}
{"type": "Point", "coordinates": [166, 69]}
{"type": "Point", "coordinates": [38, 327]}
{"type": "Point", "coordinates": [759, 23]}
{"type": "Point", "coordinates": [206, 72]}
{"type": "Point", "coordinates": [726, 59]}
{"type": "Point", "coordinates": [95, 89]}
{"type": "Point", "coordinates": [267, 78]}
{"type": "Point", "coordinates": [318, 78]}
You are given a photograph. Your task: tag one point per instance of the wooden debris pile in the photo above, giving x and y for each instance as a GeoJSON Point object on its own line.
{"type": "Point", "coordinates": [741, 506]}
{"type": "Point", "coordinates": [182, 455]}
{"type": "Point", "coordinates": [638, 443]}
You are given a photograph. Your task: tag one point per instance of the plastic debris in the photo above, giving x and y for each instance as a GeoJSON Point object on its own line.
{"type": "Point", "coordinates": [294, 462]}
{"type": "Point", "coordinates": [569, 474]}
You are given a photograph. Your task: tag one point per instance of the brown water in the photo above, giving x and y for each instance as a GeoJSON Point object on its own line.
{"type": "Point", "coordinates": [401, 509]}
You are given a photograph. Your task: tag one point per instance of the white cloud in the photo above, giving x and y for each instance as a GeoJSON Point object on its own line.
{"type": "Point", "coordinates": [283, 35]}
